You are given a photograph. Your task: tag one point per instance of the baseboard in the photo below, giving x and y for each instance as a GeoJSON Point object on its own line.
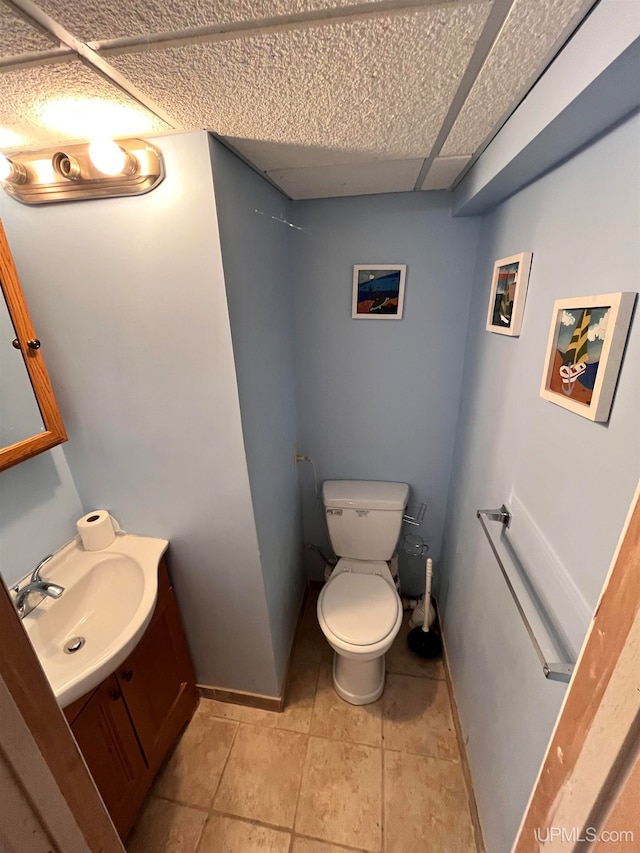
{"type": "Point", "coordinates": [258, 700]}
{"type": "Point", "coordinates": [239, 697]}
{"type": "Point", "coordinates": [475, 819]}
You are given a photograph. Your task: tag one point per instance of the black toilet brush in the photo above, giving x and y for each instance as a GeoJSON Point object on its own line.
{"type": "Point", "coordinates": [422, 641]}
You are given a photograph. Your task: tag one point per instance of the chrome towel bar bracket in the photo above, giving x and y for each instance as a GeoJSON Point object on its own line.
{"type": "Point", "coordinates": [502, 515]}
{"type": "Point", "coordinates": [554, 671]}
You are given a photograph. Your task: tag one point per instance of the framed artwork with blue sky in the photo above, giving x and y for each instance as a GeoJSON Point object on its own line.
{"type": "Point", "coordinates": [378, 291]}
{"type": "Point", "coordinates": [584, 353]}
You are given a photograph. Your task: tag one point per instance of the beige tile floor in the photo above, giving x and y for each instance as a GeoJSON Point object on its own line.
{"type": "Point", "coordinates": [321, 777]}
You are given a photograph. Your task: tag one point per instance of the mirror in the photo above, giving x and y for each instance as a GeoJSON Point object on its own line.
{"type": "Point", "coordinates": [30, 420]}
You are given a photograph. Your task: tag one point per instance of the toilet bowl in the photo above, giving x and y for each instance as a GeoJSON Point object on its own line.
{"type": "Point", "coordinates": [360, 614]}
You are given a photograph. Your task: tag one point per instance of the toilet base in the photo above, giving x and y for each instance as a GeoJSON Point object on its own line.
{"type": "Point", "coordinates": [358, 682]}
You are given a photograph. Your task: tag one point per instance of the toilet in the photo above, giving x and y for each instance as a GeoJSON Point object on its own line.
{"type": "Point", "coordinates": [359, 609]}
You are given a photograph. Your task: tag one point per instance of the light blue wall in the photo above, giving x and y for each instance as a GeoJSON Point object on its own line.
{"type": "Point", "coordinates": [254, 234]}
{"type": "Point", "coordinates": [573, 478]}
{"type": "Point", "coordinates": [39, 506]}
{"type": "Point", "coordinates": [129, 295]}
{"type": "Point", "coordinates": [379, 399]}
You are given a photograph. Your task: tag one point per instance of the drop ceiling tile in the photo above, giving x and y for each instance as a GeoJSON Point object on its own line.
{"type": "Point", "coordinates": [26, 96]}
{"type": "Point", "coordinates": [96, 20]}
{"type": "Point", "coordinates": [381, 85]}
{"type": "Point", "coordinates": [443, 172]}
{"type": "Point", "coordinates": [17, 37]}
{"type": "Point", "coordinates": [270, 156]}
{"type": "Point", "coordinates": [381, 176]}
{"type": "Point", "coordinates": [518, 56]}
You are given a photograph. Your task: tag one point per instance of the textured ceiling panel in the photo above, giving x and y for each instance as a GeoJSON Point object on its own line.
{"type": "Point", "coordinates": [443, 172]}
{"type": "Point", "coordinates": [529, 33]}
{"type": "Point", "coordinates": [51, 103]}
{"type": "Point", "coordinates": [270, 156]}
{"type": "Point", "coordinates": [380, 85]}
{"type": "Point", "coordinates": [17, 37]}
{"type": "Point", "coordinates": [96, 20]}
{"type": "Point", "coordinates": [384, 176]}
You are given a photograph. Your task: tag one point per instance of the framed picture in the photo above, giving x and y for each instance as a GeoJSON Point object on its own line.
{"type": "Point", "coordinates": [508, 294]}
{"type": "Point", "coordinates": [378, 291]}
{"type": "Point", "coordinates": [584, 353]}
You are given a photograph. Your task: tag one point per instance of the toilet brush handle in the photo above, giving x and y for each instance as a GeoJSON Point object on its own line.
{"type": "Point", "coordinates": [427, 595]}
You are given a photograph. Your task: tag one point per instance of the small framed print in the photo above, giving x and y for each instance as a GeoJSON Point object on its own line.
{"type": "Point", "coordinates": [378, 291]}
{"type": "Point", "coordinates": [584, 353]}
{"type": "Point", "coordinates": [508, 294]}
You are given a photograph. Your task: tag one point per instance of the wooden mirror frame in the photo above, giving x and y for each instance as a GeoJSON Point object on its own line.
{"type": "Point", "coordinates": [54, 432]}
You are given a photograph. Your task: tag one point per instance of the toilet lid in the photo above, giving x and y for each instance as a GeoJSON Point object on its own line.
{"type": "Point", "coordinates": [359, 609]}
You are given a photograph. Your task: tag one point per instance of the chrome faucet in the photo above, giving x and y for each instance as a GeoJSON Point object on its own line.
{"type": "Point", "coordinates": [35, 574]}
{"type": "Point", "coordinates": [36, 584]}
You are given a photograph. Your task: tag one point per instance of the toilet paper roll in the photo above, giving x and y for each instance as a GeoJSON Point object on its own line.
{"type": "Point", "coordinates": [96, 530]}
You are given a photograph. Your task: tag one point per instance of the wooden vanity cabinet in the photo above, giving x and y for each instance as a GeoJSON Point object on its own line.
{"type": "Point", "coordinates": [126, 726]}
{"type": "Point", "coordinates": [108, 743]}
{"type": "Point", "coordinates": [157, 679]}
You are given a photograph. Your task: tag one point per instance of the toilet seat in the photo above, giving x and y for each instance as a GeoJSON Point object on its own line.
{"type": "Point", "coordinates": [359, 609]}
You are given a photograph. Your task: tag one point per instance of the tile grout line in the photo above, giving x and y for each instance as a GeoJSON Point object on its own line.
{"type": "Point", "coordinates": [224, 766]}
{"type": "Point", "coordinates": [306, 754]}
{"type": "Point", "coordinates": [210, 809]}
{"type": "Point", "coordinates": [182, 803]}
{"type": "Point", "coordinates": [332, 844]}
{"type": "Point", "coordinates": [201, 836]}
{"type": "Point", "coordinates": [281, 828]}
{"type": "Point", "coordinates": [413, 675]}
{"type": "Point", "coordinates": [383, 809]}
{"type": "Point", "coordinates": [453, 761]}
{"type": "Point", "coordinates": [253, 821]}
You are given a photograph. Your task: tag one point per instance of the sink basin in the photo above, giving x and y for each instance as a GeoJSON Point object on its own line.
{"type": "Point", "coordinates": [109, 598]}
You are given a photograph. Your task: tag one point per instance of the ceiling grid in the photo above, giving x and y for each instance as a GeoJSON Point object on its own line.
{"type": "Point", "coordinates": [325, 97]}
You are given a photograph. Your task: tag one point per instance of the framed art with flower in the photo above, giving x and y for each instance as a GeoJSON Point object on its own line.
{"type": "Point", "coordinates": [584, 352]}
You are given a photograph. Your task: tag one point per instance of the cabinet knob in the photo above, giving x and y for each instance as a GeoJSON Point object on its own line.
{"type": "Point", "coordinates": [34, 343]}
{"type": "Point", "coordinates": [127, 675]}
{"type": "Point", "coordinates": [115, 694]}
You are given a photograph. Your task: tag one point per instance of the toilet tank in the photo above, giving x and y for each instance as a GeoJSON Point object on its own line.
{"type": "Point", "coordinates": [364, 517]}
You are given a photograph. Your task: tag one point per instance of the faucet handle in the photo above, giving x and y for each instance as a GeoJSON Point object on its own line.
{"type": "Point", "coordinates": [35, 576]}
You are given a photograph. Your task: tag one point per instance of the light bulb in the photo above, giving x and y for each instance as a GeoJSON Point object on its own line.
{"type": "Point", "coordinates": [10, 171]}
{"type": "Point", "coordinates": [5, 167]}
{"type": "Point", "coordinates": [107, 156]}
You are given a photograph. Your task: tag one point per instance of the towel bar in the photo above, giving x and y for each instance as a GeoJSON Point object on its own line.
{"type": "Point", "coordinates": [554, 671]}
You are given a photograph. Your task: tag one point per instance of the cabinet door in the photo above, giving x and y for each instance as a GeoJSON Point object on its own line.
{"type": "Point", "coordinates": [108, 743]}
{"type": "Point", "coordinates": [158, 680]}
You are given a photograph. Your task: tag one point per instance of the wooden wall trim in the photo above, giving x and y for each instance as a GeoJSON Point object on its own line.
{"type": "Point", "coordinates": [54, 432]}
{"type": "Point", "coordinates": [612, 624]}
{"type": "Point", "coordinates": [464, 758]}
{"type": "Point", "coordinates": [29, 689]}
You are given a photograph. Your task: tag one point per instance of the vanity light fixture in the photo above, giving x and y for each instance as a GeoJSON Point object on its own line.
{"type": "Point", "coordinates": [103, 168]}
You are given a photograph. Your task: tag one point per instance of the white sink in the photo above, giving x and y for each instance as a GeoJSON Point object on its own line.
{"type": "Point", "coordinates": [108, 600]}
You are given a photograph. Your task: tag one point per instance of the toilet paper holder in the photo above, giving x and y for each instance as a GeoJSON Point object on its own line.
{"type": "Point", "coordinates": [416, 517]}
